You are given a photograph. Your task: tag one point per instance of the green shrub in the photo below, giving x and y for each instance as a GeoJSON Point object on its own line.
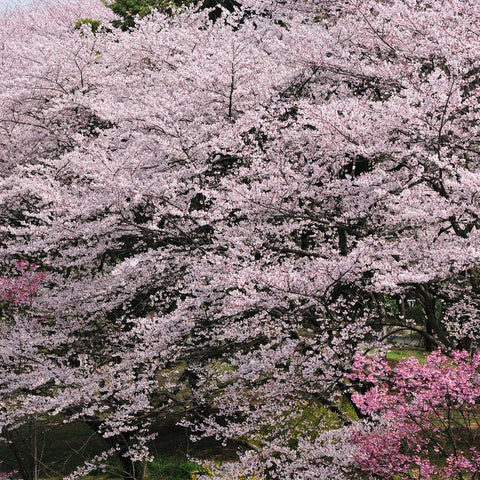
{"type": "Point", "coordinates": [164, 468]}
{"type": "Point", "coordinates": [94, 24]}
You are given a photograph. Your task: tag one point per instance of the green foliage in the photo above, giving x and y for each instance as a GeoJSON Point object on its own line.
{"type": "Point", "coordinates": [307, 420]}
{"type": "Point", "coordinates": [167, 469]}
{"type": "Point", "coordinates": [94, 24]}
{"type": "Point", "coordinates": [129, 9]}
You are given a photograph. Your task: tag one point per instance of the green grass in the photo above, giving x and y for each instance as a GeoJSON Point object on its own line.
{"type": "Point", "coordinates": [398, 354]}
{"type": "Point", "coordinates": [159, 469]}
{"type": "Point", "coordinates": [168, 469]}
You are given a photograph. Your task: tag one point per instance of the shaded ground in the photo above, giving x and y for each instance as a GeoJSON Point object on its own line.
{"type": "Point", "coordinates": [62, 448]}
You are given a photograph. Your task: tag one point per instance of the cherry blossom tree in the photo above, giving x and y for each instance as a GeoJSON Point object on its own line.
{"type": "Point", "coordinates": [114, 350]}
{"type": "Point", "coordinates": [356, 190]}
{"type": "Point", "coordinates": [228, 211]}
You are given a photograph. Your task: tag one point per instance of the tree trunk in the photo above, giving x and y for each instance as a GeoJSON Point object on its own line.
{"type": "Point", "coordinates": [131, 470]}
{"type": "Point", "coordinates": [433, 324]}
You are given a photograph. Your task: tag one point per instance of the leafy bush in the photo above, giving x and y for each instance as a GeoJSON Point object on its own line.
{"type": "Point", "coordinates": [165, 468]}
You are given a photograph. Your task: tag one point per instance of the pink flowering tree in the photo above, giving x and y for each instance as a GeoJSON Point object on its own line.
{"type": "Point", "coordinates": [21, 289]}
{"type": "Point", "coordinates": [423, 417]}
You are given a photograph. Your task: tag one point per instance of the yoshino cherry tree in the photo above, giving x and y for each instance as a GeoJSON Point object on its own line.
{"type": "Point", "coordinates": [228, 211]}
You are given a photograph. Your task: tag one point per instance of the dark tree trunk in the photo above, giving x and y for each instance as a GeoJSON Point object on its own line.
{"type": "Point", "coordinates": [131, 470]}
{"type": "Point", "coordinates": [433, 323]}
